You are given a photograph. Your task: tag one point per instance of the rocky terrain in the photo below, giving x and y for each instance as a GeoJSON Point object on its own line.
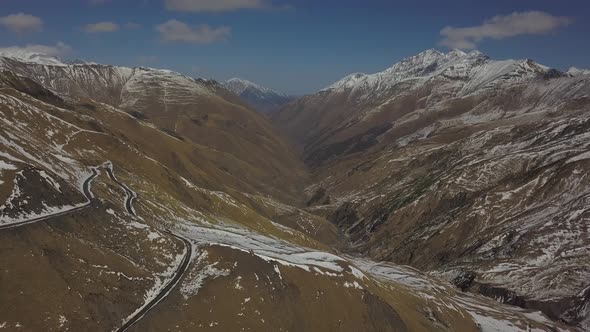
{"type": "Point", "coordinates": [263, 99]}
{"type": "Point", "coordinates": [472, 169]}
{"type": "Point", "coordinates": [139, 199]}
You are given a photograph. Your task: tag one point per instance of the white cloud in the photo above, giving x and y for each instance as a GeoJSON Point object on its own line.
{"type": "Point", "coordinates": [101, 27]}
{"type": "Point", "coordinates": [501, 27]}
{"type": "Point", "coordinates": [22, 23]}
{"type": "Point", "coordinates": [57, 50]}
{"type": "Point", "coordinates": [217, 5]}
{"type": "Point", "coordinates": [176, 31]}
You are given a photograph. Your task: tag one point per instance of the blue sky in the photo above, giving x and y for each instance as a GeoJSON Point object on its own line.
{"type": "Point", "coordinates": [294, 46]}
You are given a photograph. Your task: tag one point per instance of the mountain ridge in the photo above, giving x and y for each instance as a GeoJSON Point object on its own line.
{"type": "Point", "coordinates": [30, 56]}
{"type": "Point", "coordinates": [431, 63]}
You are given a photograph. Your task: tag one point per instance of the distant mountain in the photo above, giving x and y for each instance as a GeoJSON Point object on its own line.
{"type": "Point", "coordinates": [263, 99]}
{"type": "Point", "coordinates": [26, 56]}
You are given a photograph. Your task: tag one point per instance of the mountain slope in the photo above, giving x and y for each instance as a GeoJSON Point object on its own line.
{"type": "Point", "coordinates": [262, 99]}
{"type": "Point", "coordinates": [94, 269]}
{"type": "Point", "coordinates": [188, 109]}
{"type": "Point", "coordinates": [471, 168]}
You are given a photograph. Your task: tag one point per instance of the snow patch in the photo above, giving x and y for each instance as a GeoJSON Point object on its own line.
{"type": "Point", "coordinates": [202, 272]}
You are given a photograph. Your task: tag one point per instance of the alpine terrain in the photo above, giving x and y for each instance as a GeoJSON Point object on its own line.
{"type": "Point", "coordinates": [448, 193]}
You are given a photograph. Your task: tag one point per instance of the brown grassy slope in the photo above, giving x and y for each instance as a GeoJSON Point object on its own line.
{"type": "Point", "coordinates": [194, 110]}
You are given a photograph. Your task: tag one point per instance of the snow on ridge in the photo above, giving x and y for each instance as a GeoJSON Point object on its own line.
{"type": "Point", "coordinates": [573, 71]}
{"type": "Point", "coordinates": [125, 73]}
{"type": "Point", "coordinates": [432, 63]}
{"type": "Point", "coordinates": [239, 86]}
{"type": "Point", "coordinates": [30, 57]}
{"type": "Point", "coordinates": [403, 69]}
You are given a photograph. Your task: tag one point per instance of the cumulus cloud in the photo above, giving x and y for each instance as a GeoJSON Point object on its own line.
{"type": "Point", "coordinates": [176, 31]}
{"type": "Point", "coordinates": [57, 50]}
{"type": "Point", "coordinates": [22, 23]}
{"type": "Point", "coordinates": [501, 27]}
{"type": "Point", "coordinates": [101, 27]}
{"type": "Point", "coordinates": [218, 5]}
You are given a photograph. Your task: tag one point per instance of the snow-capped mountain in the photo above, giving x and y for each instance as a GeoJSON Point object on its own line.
{"type": "Point", "coordinates": [474, 68]}
{"type": "Point", "coordinates": [455, 74]}
{"type": "Point", "coordinates": [577, 71]}
{"type": "Point", "coordinates": [263, 99]}
{"type": "Point", "coordinates": [113, 85]}
{"type": "Point", "coordinates": [471, 168]}
{"type": "Point", "coordinates": [29, 56]}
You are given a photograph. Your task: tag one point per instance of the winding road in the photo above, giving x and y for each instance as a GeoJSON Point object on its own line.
{"type": "Point", "coordinates": [182, 268]}
{"type": "Point", "coordinates": [87, 193]}
{"type": "Point", "coordinates": [180, 271]}
{"type": "Point", "coordinates": [130, 194]}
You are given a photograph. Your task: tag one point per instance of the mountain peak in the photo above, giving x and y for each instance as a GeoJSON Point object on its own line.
{"type": "Point", "coordinates": [262, 98]}
{"type": "Point", "coordinates": [457, 52]}
{"type": "Point", "coordinates": [425, 56]}
{"type": "Point", "coordinates": [238, 86]}
{"type": "Point", "coordinates": [475, 67]}
{"type": "Point", "coordinates": [432, 55]}
{"type": "Point", "coordinates": [423, 64]}
{"type": "Point", "coordinates": [239, 80]}
{"type": "Point", "coordinates": [30, 56]}
{"type": "Point", "coordinates": [430, 51]}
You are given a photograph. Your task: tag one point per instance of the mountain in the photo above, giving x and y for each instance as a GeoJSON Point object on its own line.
{"type": "Point", "coordinates": [577, 71]}
{"type": "Point", "coordinates": [185, 108]}
{"type": "Point", "coordinates": [262, 99]}
{"type": "Point", "coordinates": [138, 199]}
{"type": "Point", "coordinates": [366, 97]}
{"type": "Point", "coordinates": [28, 56]}
{"type": "Point", "coordinates": [468, 168]}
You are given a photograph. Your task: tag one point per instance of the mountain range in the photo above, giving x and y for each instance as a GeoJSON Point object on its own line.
{"type": "Point", "coordinates": [470, 168]}
{"type": "Point", "coordinates": [449, 192]}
